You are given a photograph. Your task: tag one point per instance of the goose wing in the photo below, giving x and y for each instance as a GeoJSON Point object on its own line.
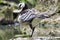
{"type": "Point", "coordinates": [27, 15]}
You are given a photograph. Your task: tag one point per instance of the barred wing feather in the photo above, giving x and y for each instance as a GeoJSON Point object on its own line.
{"type": "Point", "coordinates": [27, 16]}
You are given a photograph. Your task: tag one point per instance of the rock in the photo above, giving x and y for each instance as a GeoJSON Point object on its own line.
{"type": "Point", "coordinates": [30, 38]}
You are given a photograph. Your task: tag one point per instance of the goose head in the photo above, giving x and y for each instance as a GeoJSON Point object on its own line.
{"type": "Point", "coordinates": [21, 7]}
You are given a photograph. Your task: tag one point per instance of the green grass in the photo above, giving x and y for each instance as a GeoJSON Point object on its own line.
{"type": "Point", "coordinates": [7, 32]}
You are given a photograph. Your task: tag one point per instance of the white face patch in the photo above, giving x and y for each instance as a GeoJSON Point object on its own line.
{"type": "Point", "coordinates": [22, 5]}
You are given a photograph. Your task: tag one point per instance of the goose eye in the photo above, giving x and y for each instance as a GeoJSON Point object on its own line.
{"type": "Point", "coordinates": [20, 4]}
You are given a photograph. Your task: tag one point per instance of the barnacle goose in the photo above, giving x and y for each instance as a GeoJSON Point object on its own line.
{"type": "Point", "coordinates": [27, 15]}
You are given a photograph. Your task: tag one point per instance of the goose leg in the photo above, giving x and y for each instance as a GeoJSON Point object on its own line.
{"type": "Point", "coordinates": [33, 28]}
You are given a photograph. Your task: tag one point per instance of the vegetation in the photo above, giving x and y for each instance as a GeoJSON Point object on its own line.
{"type": "Point", "coordinates": [33, 2]}
{"type": "Point", "coordinates": [44, 27]}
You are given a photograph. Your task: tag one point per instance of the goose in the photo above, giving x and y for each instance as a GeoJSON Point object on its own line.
{"type": "Point", "coordinates": [27, 15]}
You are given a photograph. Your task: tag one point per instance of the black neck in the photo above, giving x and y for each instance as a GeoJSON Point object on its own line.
{"type": "Point", "coordinates": [26, 7]}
